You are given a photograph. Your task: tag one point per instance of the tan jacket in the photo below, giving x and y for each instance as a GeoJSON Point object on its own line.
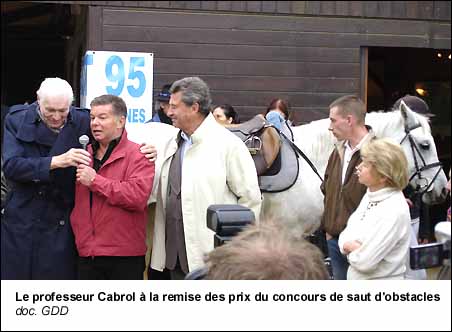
{"type": "Point", "coordinates": [217, 169]}
{"type": "Point", "coordinates": [341, 200]}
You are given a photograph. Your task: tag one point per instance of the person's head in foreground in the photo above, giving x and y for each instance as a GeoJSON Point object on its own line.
{"type": "Point", "coordinates": [266, 251]}
{"type": "Point", "coordinates": [384, 165]}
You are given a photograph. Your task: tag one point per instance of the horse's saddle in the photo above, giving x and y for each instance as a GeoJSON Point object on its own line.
{"type": "Point", "coordinates": [261, 139]}
{"type": "Point", "coordinates": [274, 157]}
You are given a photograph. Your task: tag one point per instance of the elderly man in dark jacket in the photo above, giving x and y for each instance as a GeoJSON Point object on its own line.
{"type": "Point", "coordinates": [41, 149]}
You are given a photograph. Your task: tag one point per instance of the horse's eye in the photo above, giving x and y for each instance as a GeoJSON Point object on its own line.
{"type": "Point", "coordinates": [425, 145]}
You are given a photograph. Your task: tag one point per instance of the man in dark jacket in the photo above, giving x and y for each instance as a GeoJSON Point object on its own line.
{"type": "Point", "coordinates": [41, 149]}
{"type": "Point", "coordinates": [41, 152]}
{"type": "Point", "coordinates": [341, 187]}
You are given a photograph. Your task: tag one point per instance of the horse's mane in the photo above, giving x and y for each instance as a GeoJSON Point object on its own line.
{"type": "Point", "coordinates": [315, 140]}
{"type": "Point", "coordinates": [392, 124]}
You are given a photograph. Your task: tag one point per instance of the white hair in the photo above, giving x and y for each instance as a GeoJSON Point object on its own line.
{"type": "Point", "coordinates": [55, 87]}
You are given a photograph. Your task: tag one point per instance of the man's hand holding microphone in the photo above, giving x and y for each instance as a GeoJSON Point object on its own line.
{"type": "Point", "coordinates": [85, 174]}
{"type": "Point", "coordinates": [73, 157]}
{"type": "Point", "coordinates": [79, 158]}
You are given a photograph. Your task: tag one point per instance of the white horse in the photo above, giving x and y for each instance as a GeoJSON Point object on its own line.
{"type": "Point", "coordinates": [301, 206]}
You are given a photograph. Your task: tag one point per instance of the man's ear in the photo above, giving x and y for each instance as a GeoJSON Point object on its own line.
{"type": "Point", "coordinates": [122, 121]}
{"type": "Point", "coordinates": [350, 119]}
{"type": "Point", "coordinates": [195, 107]}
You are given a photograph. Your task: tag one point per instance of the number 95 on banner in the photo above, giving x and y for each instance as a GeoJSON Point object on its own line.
{"type": "Point", "coordinates": [128, 75]}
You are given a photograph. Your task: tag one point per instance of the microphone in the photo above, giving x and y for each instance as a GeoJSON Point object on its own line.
{"type": "Point", "coordinates": [83, 140]}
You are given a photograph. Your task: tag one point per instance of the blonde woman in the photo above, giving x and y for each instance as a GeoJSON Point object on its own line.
{"type": "Point", "coordinates": [377, 236]}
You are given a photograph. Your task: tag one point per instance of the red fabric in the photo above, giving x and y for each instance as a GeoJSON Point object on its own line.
{"type": "Point", "coordinates": [115, 225]}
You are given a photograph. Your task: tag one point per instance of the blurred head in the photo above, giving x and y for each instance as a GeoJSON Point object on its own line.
{"type": "Point", "coordinates": [190, 103]}
{"type": "Point", "coordinates": [280, 106]}
{"type": "Point", "coordinates": [108, 118]}
{"type": "Point", "coordinates": [54, 97]}
{"type": "Point", "coordinates": [416, 104]}
{"type": "Point", "coordinates": [383, 165]}
{"type": "Point", "coordinates": [225, 114]}
{"type": "Point", "coordinates": [346, 113]}
{"type": "Point", "coordinates": [165, 94]}
{"type": "Point", "coordinates": [266, 251]}
{"type": "Point", "coordinates": [163, 98]}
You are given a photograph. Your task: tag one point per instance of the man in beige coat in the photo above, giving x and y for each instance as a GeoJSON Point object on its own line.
{"type": "Point", "coordinates": [204, 165]}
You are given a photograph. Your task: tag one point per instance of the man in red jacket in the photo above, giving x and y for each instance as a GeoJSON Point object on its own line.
{"type": "Point", "coordinates": [109, 217]}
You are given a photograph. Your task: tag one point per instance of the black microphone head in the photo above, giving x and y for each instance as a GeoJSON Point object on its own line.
{"type": "Point", "coordinates": [83, 140]}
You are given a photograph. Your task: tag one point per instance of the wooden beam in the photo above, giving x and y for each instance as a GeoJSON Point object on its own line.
{"type": "Point", "coordinates": [364, 73]}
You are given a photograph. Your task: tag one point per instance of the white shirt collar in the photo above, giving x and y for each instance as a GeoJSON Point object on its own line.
{"type": "Point", "coordinates": [186, 138]}
{"type": "Point", "coordinates": [357, 147]}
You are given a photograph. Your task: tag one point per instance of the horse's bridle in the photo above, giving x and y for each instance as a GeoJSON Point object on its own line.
{"type": "Point", "coordinates": [415, 150]}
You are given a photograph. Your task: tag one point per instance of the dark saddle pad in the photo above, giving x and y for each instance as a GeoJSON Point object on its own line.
{"type": "Point", "coordinates": [284, 172]}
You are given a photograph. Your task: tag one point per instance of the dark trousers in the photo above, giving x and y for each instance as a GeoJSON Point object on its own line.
{"type": "Point", "coordinates": [158, 275]}
{"type": "Point", "coordinates": [111, 268]}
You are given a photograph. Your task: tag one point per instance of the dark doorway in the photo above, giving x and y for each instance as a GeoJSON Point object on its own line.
{"type": "Point", "coordinates": [34, 40]}
{"type": "Point", "coordinates": [425, 73]}
{"type": "Point", "coordinates": [395, 72]}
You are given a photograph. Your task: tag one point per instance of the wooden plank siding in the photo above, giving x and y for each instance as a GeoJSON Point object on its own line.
{"type": "Point", "coordinates": [75, 51]}
{"type": "Point", "coordinates": [424, 10]}
{"type": "Point", "coordinates": [249, 59]}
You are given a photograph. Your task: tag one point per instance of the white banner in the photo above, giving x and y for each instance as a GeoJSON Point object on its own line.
{"type": "Point", "coordinates": [158, 305]}
{"type": "Point", "coordinates": [124, 74]}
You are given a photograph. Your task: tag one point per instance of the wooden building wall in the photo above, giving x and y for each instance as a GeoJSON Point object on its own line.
{"type": "Point", "coordinates": [423, 10]}
{"type": "Point", "coordinates": [249, 52]}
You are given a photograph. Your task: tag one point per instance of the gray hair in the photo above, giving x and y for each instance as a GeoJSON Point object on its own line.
{"type": "Point", "coordinates": [55, 87]}
{"type": "Point", "coordinates": [194, 90]}
{"type": "Point", "coordinates": [266, 251]}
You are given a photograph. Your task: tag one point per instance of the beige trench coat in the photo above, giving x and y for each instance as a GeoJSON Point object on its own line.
{"type": "Point", "coordinates": [217, 169]}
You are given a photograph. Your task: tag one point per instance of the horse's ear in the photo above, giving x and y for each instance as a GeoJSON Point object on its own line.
{"type": "Point", "coordinates": [404, 109]}
{"type": "Point", "coordinates": [408, 116]}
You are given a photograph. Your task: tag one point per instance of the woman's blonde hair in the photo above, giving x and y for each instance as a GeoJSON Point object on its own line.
{"type": "Point", "coordinates": [389, 160]}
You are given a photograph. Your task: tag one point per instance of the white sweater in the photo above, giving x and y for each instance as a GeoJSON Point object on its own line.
{"type": "Point", "coordinates": [382, 224]}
